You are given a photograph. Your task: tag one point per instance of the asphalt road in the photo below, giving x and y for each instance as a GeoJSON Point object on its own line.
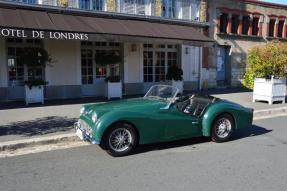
{"type": "Point", "coordinates": [255, 160]}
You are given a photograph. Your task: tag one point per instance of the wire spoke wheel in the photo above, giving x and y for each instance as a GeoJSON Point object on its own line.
{"type": "Point", "coordinates": [223, 127]}
{"type": "Point", "coordinates": [120, 139]}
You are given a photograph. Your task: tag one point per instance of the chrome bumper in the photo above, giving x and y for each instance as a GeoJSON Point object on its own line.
{"type": "Point", "coordinates": [83, 135]}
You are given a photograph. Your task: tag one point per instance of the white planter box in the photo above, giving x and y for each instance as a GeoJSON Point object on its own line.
{"type": "Point", "coordinates": [177, 84]}
{"type": "Point", "coordinates": [34, 95]}
{"type": "Point", "coordinates": [269, 90]}
{"type": "Point", "coordinates": [114, 90]}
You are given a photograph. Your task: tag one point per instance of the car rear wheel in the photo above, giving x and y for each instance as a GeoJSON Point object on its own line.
{"type": "Point", "coordinates": [222, 128]}
{"type": "Point", "coordinates": [120, 139]}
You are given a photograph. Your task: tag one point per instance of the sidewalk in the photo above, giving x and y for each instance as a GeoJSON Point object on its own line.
{"type": "Point", "coordinates": [20, 122]}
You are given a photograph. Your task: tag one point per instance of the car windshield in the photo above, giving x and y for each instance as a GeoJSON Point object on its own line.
{"type": "Point", "coordinates": [164, 92]}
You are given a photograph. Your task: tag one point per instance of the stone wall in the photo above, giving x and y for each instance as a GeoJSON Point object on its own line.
{"type": "Point", "coordinates": [203, 11]}
{"type": "Point", "coordinates": [111, 5]}
{"type": "Point", "coordinates": [158, 8]}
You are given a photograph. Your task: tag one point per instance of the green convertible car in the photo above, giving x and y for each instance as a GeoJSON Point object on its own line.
{"type": "Point", "coordinates": [159, 116]}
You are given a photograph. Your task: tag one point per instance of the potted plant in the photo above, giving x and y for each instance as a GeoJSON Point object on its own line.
{"type": "Point", "coordinates": [174, 73]}
{"type": "Point", "coordinates": [35, 59]}
{"type": "Point", "coordinates": [266, 72]}
{"type": "Point", "coordinates": [113, 87]}
{"type": "Point", "coordinates": [113, 81]}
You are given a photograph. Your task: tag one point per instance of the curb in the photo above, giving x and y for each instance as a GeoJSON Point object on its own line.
{"type": "Point", "coordinates": [71, 137]}
{"type": "Point", "coordinates": [13, 145]}
{"type": "Point", "coordinates": [270, 112]}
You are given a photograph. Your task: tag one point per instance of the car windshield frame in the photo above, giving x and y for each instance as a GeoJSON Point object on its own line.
{"type": "Point", "coordinates": [162, 92]}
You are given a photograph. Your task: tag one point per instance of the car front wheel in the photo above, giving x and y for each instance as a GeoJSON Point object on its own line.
{"type": "Point", "coordinates": [222, 128]}
{"type": "Point", "coordinates": [120, 140]}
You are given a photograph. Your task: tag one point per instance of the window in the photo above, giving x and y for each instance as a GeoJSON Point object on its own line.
{"type": "Point", "coordinates": [98, 5]}
{"type": "Point", "coordinates": [255, 27]}
{"type": "Point", "coordinates": [189, 9]}
{"type": "Point", "coordinates": [133, 6]}
{"type": "Point", "coordinates": [140, 7]}
{"type": "Point", "coordinates": [84, 4]}
{"type": "Point", "coordinates": [160, 66]}
{"type": "Point", "coordinates": [15, 68]}
{"type": "Point", "coordinates": [87, 66]}
{"type": "Point", "coordinates": [223, 23]}
{"type": "Point", "coordinates": [235, 24]}
{"type": "Point", "coordinates": [148, 66]}
{"type": "Point", "coordinates": [168, 8]}
{"type": "Point", "coordinates": [271, 27]}
{"type": "Point", "coordinates": [245, 24]}
{"type": "Point", "coordinates": [156, 60]}
{"type": "Point", "coordinates": [171, 58]}
{"type": "Point", "coordinates": [280, 28]}
{"type": "Point", "coordinates": [90, 68]}
{"type": "Point", "coordinates": [17, 71]}
{"type": "Point", "coordinates": [29, 1]}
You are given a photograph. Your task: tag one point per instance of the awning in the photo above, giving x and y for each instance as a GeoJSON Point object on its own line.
{"type": "Point", "coordinates": [55, 21]}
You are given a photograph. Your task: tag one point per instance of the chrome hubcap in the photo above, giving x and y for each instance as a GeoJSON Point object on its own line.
{"type": "Point", "coordinates": [120, 139]}
{"type": "Point", "coordinates": [223, 128]}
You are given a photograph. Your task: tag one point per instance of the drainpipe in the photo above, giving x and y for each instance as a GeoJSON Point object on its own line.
{"type": "Point", "coordinates": [200, 69]}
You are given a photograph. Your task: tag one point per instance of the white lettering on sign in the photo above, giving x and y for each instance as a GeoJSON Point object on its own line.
{"type": "Point", "coordinates": [38, 34]}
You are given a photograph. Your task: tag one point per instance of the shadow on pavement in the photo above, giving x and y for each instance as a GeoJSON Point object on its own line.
{"type": "Point", "coordinates": [239, 134]}
{"type": "Point", "coordinates": [40, 126]}
{"type": "Point", "coordinates": [250, 132]}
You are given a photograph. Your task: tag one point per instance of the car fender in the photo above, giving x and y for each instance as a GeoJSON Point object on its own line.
{"type": "Point", "coordinates": [216, 109]}
{"type": "Point", "coordinates": [110, 118]}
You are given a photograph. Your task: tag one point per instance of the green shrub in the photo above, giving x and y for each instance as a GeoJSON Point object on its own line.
{"type": "Point", "coordinates": [266, 61]}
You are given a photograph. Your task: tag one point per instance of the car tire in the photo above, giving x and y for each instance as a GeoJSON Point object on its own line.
{"type": "Point", "coordinates": [120, 139]}
{"type": "Point", "coordinates": [222, 128]}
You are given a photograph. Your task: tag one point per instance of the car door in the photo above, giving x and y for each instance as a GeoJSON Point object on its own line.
{"type": "Point", "coordinates": [181, 125]}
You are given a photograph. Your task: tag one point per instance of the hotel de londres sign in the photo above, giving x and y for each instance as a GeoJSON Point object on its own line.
{"type": "Point", "coordinates": [40, 34]}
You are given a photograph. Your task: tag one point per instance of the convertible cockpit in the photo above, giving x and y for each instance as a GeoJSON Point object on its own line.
{"type": "Point", "coordinates": [195, 104]}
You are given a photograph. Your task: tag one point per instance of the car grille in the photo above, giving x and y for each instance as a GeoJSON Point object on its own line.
{"type": "Point", "coordinates": [84, 126]}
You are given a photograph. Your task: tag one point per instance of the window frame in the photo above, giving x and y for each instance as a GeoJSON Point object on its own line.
{"type": "Point", "coordinates": [97, 46]}
{"type": "Point", "coordinates": [18, 43]}
{"type": "Point", "coordinates": [154, 49]}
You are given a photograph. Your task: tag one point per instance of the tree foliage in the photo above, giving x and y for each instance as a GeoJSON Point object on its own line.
{"type": "Point", "coordinates": [266, 61]}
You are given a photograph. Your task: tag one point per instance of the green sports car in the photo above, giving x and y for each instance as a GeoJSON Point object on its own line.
{"type": "Point", "coordinates": [159, 116]}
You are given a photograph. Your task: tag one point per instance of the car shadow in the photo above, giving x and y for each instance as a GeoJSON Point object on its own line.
{"type": "Point", "coordinates": [238, 134]}
{"type": "Point", "coordinates": [39, 126]}
{"type": "Point", "coordinates": [250, 132]}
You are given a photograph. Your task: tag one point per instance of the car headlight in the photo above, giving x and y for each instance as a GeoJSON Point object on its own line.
{"type": "Point", "coordinates": [94, 117]}
{"type": "Point", "coordinates": [82, 110]}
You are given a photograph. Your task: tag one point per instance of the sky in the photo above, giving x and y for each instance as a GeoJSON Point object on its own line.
{"type": "Point", "coordinates": [277, 1]}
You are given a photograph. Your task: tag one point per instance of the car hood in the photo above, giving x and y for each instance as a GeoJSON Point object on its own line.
{"type": "Point", "coordinates": [135, 105]}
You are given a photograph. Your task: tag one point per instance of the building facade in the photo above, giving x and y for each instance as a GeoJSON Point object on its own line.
{"type": "Point", "coordinates": [208, 39]}
{"type": "Point", "coordinates": [148, 35]}
{"type": "Point", "coordinates": [237, 26]}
